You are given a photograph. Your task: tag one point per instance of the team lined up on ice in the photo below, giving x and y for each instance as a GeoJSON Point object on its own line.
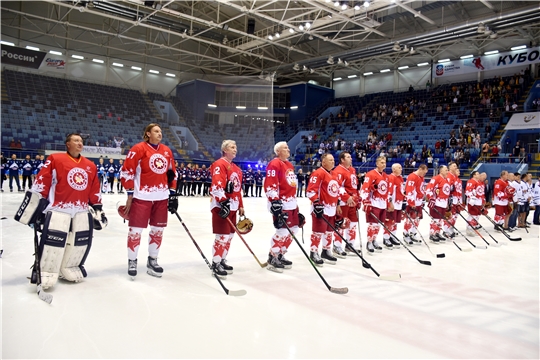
{"type": "Point", "coordinates": [65, 206]}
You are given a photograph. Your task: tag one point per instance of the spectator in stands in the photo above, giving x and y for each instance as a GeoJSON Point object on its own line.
{"type": "Point", "coordinates": [301, 180]}
{"type": "Point", "coordinates": [494, 151]}
{"type": "Point", "coordinates": [19, 144]}
{"type": "Point", "coordinates": [517, 149]}
{"type": "Point", "coordinates": [476, 142]}
{"type": "Point", "coordinates": [485, 151]}
{"type": "Point", "coordinates": [522, 155]}
{"type": "Point", "coordinates": [411, 89]}
{"type": "Point", "coordinates": [453, 142]}
{"type": "Point", "coordinates": [439, 108]}
{"type": "Point", "coordinates": [428, 86]}
{"type": "Point", "coordinates": [448, 155]}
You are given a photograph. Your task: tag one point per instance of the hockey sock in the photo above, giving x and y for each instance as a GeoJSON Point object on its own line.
{"type": "Point", "coordinates": [327, 240]}
{"type": "Point", "coordinates": [133, 242]}
{"type": "Point", "coordinates": [219, 249]}
{"type": "Point", "coordinates": [372, 231]}
{"type": "Point", "coordinates": [315, 241]}
{"type": "Point", "coordinates": [154, 240]}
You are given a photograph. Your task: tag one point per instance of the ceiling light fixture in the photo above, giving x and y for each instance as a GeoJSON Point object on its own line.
{"type": "Point", "coordinates": [423, 64]}
{"type": "Point", "coordinates": [466, 57]}
{"type": "Point", "coordinates": [296, 67]}
{"type": "Point", "coordinates": [337, 79]}
{"type": "Point", "coordinates": [277, 35]}
{"type": "Point", "coordinates": [301, 27]}
{"type": "Point", "coordinates": [32, 48]}
{"type": "Point", "coordinates": [78, 57]}
{"type": "Point", "coordinates": [308, 25]}
{"type": "Point", "coordinates": [518, 47]}
{"type": "Point", "coordinates": [305, 68]}
{"type": "Point", "coordinates": [444, 60]}
{"type": "Point", "coordinates": [330, 60]}
{"type": "Point", "coordinates": [291, 30]}
{"type": "Point", "coordinates": [385, 70]}
{"type": "Point", "coordinates": [368, 73]}
{"type": "Point", "coordinates": [336, 3]}
{"type": "Point", "coordinates": [99, 61]}
{"type": "Point", "coordinates": [352, 76]}
{"type": "Point", "coordinates": [491, 52]}
{"type": "Point", "coordinates": [55, 52]}
{"type": "Point", "coordinates": [357, 7]}
{"type": "Point", "coordinates": [396, 46]}
{"type": "Point", "coordinates": [7, 43]}
{"type": "Point", "coordinates": [403, 67]}
{"type": "Point", "coordinates": [412, 52]}
{"type": "Point", "coordinates": [366, 4]}
{"type": "Point", "coordinates": [136, 68]}
{"type": "Point", "coordinates": [153, 71]}
{"type": "Point", "coordinates": [481, 28]}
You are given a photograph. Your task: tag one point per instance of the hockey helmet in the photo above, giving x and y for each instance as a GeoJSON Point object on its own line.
{"type": "Point", "coordinates": [122, 211]}
{"type": "Point", "coordinates": [245, 225]}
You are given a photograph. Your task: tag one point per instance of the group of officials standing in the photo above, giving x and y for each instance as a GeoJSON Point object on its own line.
{"type": "Point", "coordinates": [69, 204]}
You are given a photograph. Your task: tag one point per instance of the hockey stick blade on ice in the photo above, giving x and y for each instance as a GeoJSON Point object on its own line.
{"type": "Point", "coordinates": [330, 288]}
{"type": "Point", "coordinates": [496, 244]}
{"type": "Point", "coordinates": [423, 262]}
{"type": "Point", "coordinates": [364, 262]}
{"type": "Point", "coordinates": [441, 255]}
{"type": "Point", "coordinates": [227, 291]}
{"type": "Point", "coordinates": [483, 247]}
{"type": "Point", "coordinates": [502, 230]}
{"type": "Point", "coordinates": [245, 243]}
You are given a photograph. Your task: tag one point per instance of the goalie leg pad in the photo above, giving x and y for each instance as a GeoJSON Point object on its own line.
{"type": "Point", "coordinates": [77, 248]}
{"type": "Point", "coordinates": [52, 246]}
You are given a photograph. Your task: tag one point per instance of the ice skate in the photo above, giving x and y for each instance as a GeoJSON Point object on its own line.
{"type": "Point", "coordinates": [274, 264]}
{"type": "Point", "coordinates": [370, 248]}
{"type": "Point", "coordinates": [287, 264]}
{"type": "Point", "coordinates": [377, 247]}
{"type": "Point", "coordinates": [153, 267]}
{"type": "Point", "coordinates": [440, 237]}
{"type": "Point", "coordinates": [218, 270]}
{"type": "Point", "coordinates": [388, 244]}
{"type": "Point", "coordinates": [132, 268]}
{"type": "Point", "coordinates": [227, 268]}
{"type": "Point", "coordinates": [338, 252]}
{"type": "Point", "coordinates": [434, 238]}
{"type": "Point", "coordinates": [327, 257]}
{"type": "Point", "coordinates": [395, 243]}
{"type": "Point", "coordinates": [407, 239]}
{"type": "Point", "coordinates": [316, 259]}
{"type": "Point", "coordinates": [470, 231]}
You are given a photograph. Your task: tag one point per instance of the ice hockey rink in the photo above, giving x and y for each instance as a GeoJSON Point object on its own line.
{"type": "Point", "coordinates": [477, 304]}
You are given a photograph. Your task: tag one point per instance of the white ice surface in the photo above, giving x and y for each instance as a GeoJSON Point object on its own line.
{"type": "Point", "coordinates": [479, 304]}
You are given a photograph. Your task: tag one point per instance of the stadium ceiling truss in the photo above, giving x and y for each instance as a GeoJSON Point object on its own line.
{"type": "Point", "coordinates": [285, 41]}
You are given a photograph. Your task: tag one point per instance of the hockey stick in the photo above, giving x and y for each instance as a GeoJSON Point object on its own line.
{"type": "Point", "coordinates": [423, 262]}
{"type": "Point", "coordinates": [227, 291]}
{"type": "Point", "coordinates": [483, 247]}
{"type": "Point", "coordinates": [476, 231]}
{"type": "Point", "coordinates": [331, 289]}
{"type": "Point", "coordinates": [364, 262]}
{"type": "Point", "coordinates": [502, 230]}
{"type": "Point", "coordinates": [487, 232]}
{"type": "Point", "coordinates": [459, 248]}
{"type": "Point", "coordinates": [437, 255]}
{"type": "Point", "coordinates": [359, 233]}
{"type": "Point", "coordinates": [245, 243]}
{"type": "Point", "coordinates": [37, 268]}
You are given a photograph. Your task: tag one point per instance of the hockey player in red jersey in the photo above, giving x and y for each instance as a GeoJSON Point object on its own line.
{"type": "Point", "coordinates": [323, 191]}
{"type": "Point", "coordinates": [456, 197]}
{"type": "Point", "coordinates": [348, 182]}
{"type": "Point", "coordinates": [503, 194]}
{"type": "Point", "coordinates": [415, 190]}
{"type": "Point", "coordinates": [475, 201]}
{"type": "Point", "coordinates": [149, 177]}
{"type": "Point", "coordinates": [438, 193]}
{"type": "Point", "coordinates": [396, 197]}
{"type": "Point", "coordinates": [280, 185]}
{"type": "Point", "coordinates": [226, 192]}
{"type": "Point", "coordinates": [65, 205]}
{"type": "Point", "coordinates": [374, 194]}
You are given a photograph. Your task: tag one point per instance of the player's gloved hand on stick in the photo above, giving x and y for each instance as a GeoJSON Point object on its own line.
{"type": "Point", "coordinates": [100, 220]}
{"type": "Point", "coordinates": [225, 209]}
{"type": "Point", "coordinates": [172, 205]}
{"type": "Point", "coordinates": [431, 203]}
{"type": "Point", "coordinates": [276, 208]}
{"type": "Point", "coordinates": [318, 209]}
{"type": "Point", "coordinates": [367, 205]}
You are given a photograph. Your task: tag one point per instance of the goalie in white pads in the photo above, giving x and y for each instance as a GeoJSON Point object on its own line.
{"type": "Point", "coordinates": [64, 204]}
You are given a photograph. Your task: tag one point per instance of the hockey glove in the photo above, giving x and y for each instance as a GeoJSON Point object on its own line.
{"type": "Point", "coordinates": [100, 220]}
{"type": "Point", "coordinates": [229, 187]}
{"type": "Point", "coordinates": [318, 209]}
{"type": "Point", "coordinates": [276, 208]}
{"type": "Point", "coordinates": [431, 203]}
{"type": "Point", "coordinates": [411, 210]}
{"type": "Point", "coordinates": [172, 205]}
{"type": "Point", "coordinates": [170, 176]}
{"type": "Point", "coordinates": [280, 220]}
{"type": "Point", "coordinates": [301, 220]}
{"type": "Point", "coordinates": [339, 222]}
{"type": "Point", "coordinates": [404, 206]}
{"type": "Point", "coordinates": [225, 209]}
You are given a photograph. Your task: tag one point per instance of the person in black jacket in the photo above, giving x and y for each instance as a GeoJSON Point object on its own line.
{"type": "Point", "coordinates": [301, 182]}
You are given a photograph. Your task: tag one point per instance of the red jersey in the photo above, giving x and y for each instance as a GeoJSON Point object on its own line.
{"type": "Point", "coordinates": [415, 190]}
{"type": "Point", "coordinates": [439, 189]}
{"type": "Point", "coordinates": [456, 189]}
{"type": "Point", "coordinates": [280, 183]}
{"type": "Point", "coordinates": [396, 191]}
{"type": "Point", "coordinates": [69, 184]}
{"type": "Point", "coordinates": [223, 171]}
{"type": "Point", "coordinates": [145, 171]}
{"type": "Point", "coordinates": [475, 192]}
{"type": "Point", "coordinates": [501, 193]}
{"type": "Point", "coordinates": [323, 186]}
{"type": "Point", "coordinates": [348, 183]}
{"type": "Point", "coordinates": [375, 188]}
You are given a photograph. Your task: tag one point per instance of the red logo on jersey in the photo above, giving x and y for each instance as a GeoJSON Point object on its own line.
{"type": "Point", "coordinates": [480, 190]}
{"type": "Point", "coordinates": [354, 182]}
{"type": "Point", "coordinates": [236, 181]}
{"type": "Point", "coordinates": [382, 187]}
{"type": "Point", "coordinates": [333, 188]}
{"type": "Point", "coordinates": [446, 189]}
{"type": "Point", "coordinates": [158, 163]}
{"type": "Point", "coordinates": [77, 178]}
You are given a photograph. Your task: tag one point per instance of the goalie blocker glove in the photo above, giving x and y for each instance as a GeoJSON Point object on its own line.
{"type": "Point", "coordinates": [318, 209]}
{"type": "Point", "coordinates": [172, 205]}
{"type": "Point", "coordinates": [100, 220]}
{"type": "Point", "coordinates": [225, 209]}
{"type": "Point", "coordinates": [30, 211]}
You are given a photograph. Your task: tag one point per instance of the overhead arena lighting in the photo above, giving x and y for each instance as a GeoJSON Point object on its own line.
{"type": "Point", "coordinates": [212, 105]}
{"type": "Point", "coordinates": [240, 107]}
{"type": "Point", "coordinates": [403, 67]}
{"type": "Point", "coordinates": [330, 60]}
{"type": "Point", "coordinates": [7, 43]}
{"type": "Point", "coordinates": [32, 48]}
{"type": "Point", "coordinates": [262, 107]}
{"type": "Point", "coordinates": [170, 75]}
{"type": "Point", "coordinates": [368, 73]}
{"type": "Point", "coordinates": [491, 52]}
{"type": "Point", "coordinates": [153, 71]}
{"type": "Point", "coordinates": [55, 52]}
{"type": "Point", "coordinates": [466, 57]}
{"type": "Point", "coordinates": [337, 79]}
{"type": "Point", "coordinates": [423, 64]}
{"type": "Point", "coordinates": [352, 76]}
{"type": "Point", "coordinates": [444, 60]}
{"type": "Point", "coordinates": [136, 68]}
{"type": "Point", "coordinates": [99, 61]}
{"type": "Point", "coordinates": [78, 57]}
{"type": "Point", "coordinates": [117, 64]}
{"type": "Point", "coordinates": [518, 47]}
{"type": "Point", "coordinates": [385, 70]}
{"type": "Point", "coordinates": [296, 67]}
